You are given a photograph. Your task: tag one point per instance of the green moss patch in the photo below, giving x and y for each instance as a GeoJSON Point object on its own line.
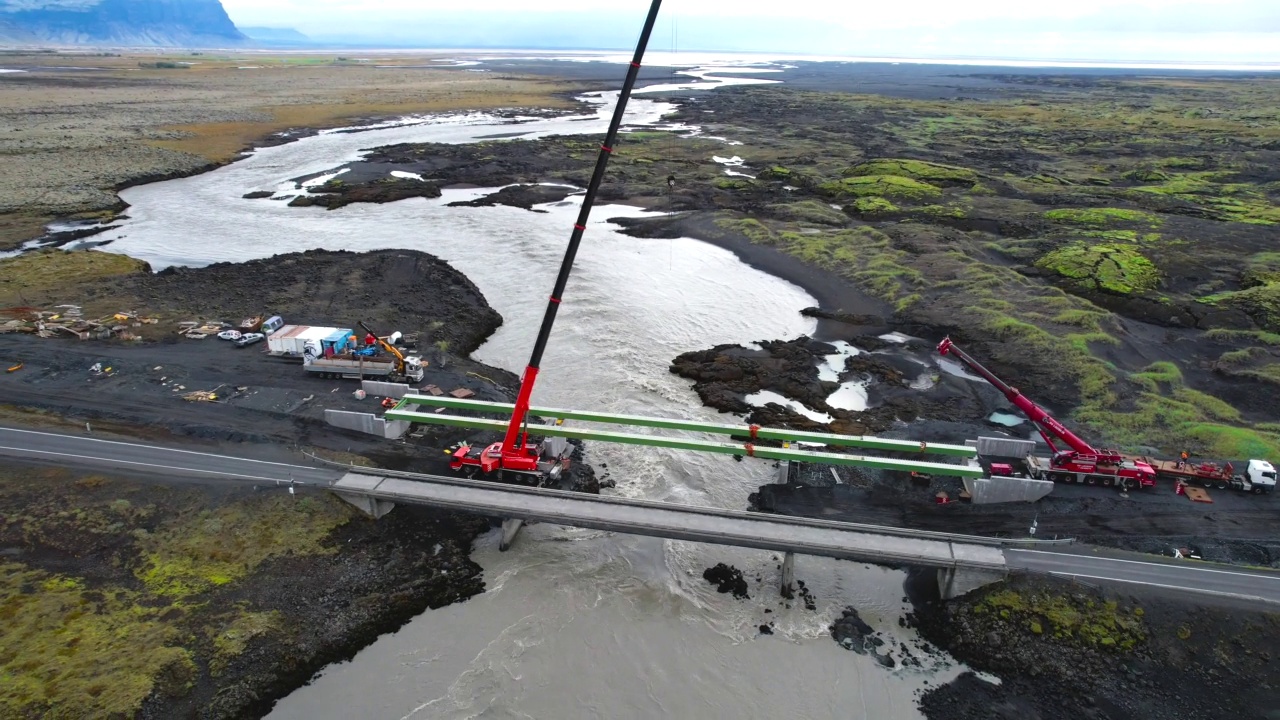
{"type": "Point", "coordinates": [44, 274]}
{"type": "Point", "coordinates": [188, 556]}
{"type": "Point", "coordinates": [1261, 303]}
{"type": "Point", "coordinates": [810, 211]}
{"type": "Point", "coordinates": [873, 206]}
{"type": "Point", "coordinates": [886, 186]}
{"type": "Point", "coordinates": [71, 652]}
{"type": "Point", "coordinates": [933, 173]}
{"type": "Point", "coordinates": [1072, 620]}
{"type": "Point", "coordinates": [1102, 217]}
{"type": "Point", "coordinates": [1114, 267]}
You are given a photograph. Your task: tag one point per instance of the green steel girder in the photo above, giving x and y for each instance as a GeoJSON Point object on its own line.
{"type": "Point", "coordinates": [862, 441]}
{"type": "Point", "coordinates": [770, 453]}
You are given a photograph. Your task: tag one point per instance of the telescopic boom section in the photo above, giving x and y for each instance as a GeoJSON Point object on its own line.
{"type": "Point", "coordinates": [515, 455]}
{"type": "Point", "coordinates": [1044, 422]}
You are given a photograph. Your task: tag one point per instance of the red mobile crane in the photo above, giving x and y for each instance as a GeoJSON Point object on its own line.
{"type": "Point", "coordinates": [1082, 462]}
{"type": "Point", "coordinates": [514, 454]}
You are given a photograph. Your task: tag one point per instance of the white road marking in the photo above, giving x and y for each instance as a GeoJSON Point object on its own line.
{"type": "Point", "coordinates": [162, 467]}
{"type": "Point", "coordinates": [1181, 588]}
{"type": "Point", "coordinates": [139, 445]}
{"type": "Point", "coordinates": [1189, 568]}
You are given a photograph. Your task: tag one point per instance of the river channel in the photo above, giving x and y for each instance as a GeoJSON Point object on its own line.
{"type": "Point", "coordinates": [574, 623]}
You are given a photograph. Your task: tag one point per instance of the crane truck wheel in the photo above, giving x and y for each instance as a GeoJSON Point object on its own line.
{"type": "Point", "coordinates": [1091, 480]}
{"type": "Point", "coordinates": [1257, 490]}
{"type": "Point", "coordinates": [1221, 485]}
{"type": "Point", "coordinates": [1107, 482]}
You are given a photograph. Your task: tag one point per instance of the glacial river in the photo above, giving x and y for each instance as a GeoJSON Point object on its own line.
{"type": "Point", "coordinates": [574, 623]}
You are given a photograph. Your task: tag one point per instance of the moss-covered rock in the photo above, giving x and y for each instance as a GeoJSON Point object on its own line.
{"type": "Point", "coordinates": [873, 206]}
{"type": "Point", "coordinates": [933, 173]}
{"type": "Point", "coordinates": [885, 186]}
{"type": "Point", "coordinates": [1261, 303]}
{"type": "Point", "coordinates": [1102, 217]}
{"type": "Point", "coordinates": [1112, 267]}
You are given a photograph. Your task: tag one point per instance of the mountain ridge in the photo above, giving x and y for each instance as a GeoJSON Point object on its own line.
{"type": "Point", "coordinates": [181, 23]}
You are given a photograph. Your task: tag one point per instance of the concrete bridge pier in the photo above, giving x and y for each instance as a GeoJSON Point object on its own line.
{"type": "Point", "coordinates": [954, 582]}
{"type": "Point", "coordinates": [787, 581]}
{"type": "Point", "coordinates": [789, 576]}
{"type": "Point", "coordinates": [510, 528]}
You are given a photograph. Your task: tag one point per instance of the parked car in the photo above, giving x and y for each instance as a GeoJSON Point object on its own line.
{"type": "Point", "coordinates": [249, 339]}
{"type": "Point", "coordinates": [230, 335]}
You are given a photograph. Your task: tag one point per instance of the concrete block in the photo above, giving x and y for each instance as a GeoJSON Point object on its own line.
{"type": "Point", "coordinates": [367, 423]}
{"type": "Point", "coordinates": [385, 389]}
{"type": "Point", "coordinates": [996, 489]}
{"type": "Point", "coordinates": [1005, 447]}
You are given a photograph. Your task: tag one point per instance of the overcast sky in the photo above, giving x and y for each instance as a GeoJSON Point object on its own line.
{"type": "Point", "coordinates": [1131, 30]}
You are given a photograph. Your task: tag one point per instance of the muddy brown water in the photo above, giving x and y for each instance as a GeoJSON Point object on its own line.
{"type": "Point", "coordinates": [574, 623]}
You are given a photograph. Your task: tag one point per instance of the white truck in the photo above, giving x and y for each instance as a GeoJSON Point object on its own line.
{"type": "Point", "coordinates": [357, 366]}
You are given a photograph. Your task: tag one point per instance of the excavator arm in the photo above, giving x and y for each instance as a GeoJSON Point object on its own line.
{"type": "Point", "coordinates": [399, 356]}
{"type": "Point", "coordinates": [1048, 426]}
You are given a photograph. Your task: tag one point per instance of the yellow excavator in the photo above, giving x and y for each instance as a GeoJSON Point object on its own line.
{"type": "Point", "coordinates": [394, 351]}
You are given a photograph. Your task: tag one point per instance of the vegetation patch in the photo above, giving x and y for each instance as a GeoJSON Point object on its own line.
{"type": "Point", "coordinates": [933, 173]}
{"type": "Point", "coordinates": [1071, 620]}
{"type": "Point", "coordinates": [1261, 303]}
{"type": "Point", "coordinates": [45, 275]}
{"type": "Point", "coordinates": [72, 652]}
{"type": "Point", "coordinates": [885, 186]}
{"type": "Point", "coordinates": [810, 211]}
{"type": "Point", "coordinates": [191, 555]}
{"type": "Point", "coordinates": [1102, 217]}
{"type": "Point", "coordinates": [873, 206]}
{"type": "Point", "coordinates": [1114, 267]}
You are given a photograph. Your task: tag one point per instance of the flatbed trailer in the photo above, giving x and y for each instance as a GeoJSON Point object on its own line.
{"type": "Point", "coordinates": [358, 367]}
{"type": "Point", "coordinates": [1258, 478]}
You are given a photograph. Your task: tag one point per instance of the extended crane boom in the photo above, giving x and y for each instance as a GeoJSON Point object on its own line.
{"type": "Point", "coordinates": [513, 452]}
{"type": "Point", "coordinates": [1082, 460]}
{"type": "Point", "coordinates": [1045, 423]}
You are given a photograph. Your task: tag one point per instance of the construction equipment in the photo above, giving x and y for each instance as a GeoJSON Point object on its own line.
{"type": "Point", "coordinates": [359, 364]}
{"type": "Point", "coordinates": [514, 453]}
{"type": "Point", "coordinates": [1082, 462]}
{"type": "Point", "coordinates": [1259, 476]}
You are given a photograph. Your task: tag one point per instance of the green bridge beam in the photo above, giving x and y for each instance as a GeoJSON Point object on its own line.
{"type": "Point", "coordinates": [861, 441]}
{"type": "Point", "coordinates": [770, 453]}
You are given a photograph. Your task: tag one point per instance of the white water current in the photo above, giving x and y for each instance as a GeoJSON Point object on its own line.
{"type": "Point", "coordinates": [573, 623]}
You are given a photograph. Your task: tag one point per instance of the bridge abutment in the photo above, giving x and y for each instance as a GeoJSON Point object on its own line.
{"type": "Point", "coordinates": [369, 506]}
{"type": "Point", "coordinates": [954, 582]}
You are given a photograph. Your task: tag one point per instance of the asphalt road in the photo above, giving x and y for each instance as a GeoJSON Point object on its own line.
{"type": "Point", "coordinates": [86, 451]}
{"type": "Point", "coordinates": [1085, 563]}
{"type": "Point", "coordinates": [1096, 565]}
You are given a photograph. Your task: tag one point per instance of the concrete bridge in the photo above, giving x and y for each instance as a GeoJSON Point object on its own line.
{"type": "Point", "coordinates": [963, 562]}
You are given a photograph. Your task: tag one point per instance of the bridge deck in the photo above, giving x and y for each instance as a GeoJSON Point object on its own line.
{"type": "Point", "coordinates": [681, 522]}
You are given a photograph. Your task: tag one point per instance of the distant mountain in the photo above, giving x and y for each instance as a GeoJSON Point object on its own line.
{"type": "Point", "coordinates": [186, 23]}
{"type": "Point", "coordinates": [277, 36]}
